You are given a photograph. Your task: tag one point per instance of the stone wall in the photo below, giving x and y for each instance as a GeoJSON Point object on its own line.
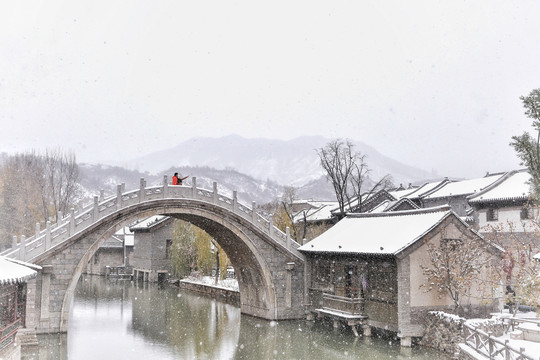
{"type": "Point", "coordinates": [105, 257]}
{"type": "Point", "coordinates": [444, 332]}
{"type": "Point", "coordinates": [229, 295]}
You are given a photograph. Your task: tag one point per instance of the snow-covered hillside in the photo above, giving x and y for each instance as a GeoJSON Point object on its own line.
{"type": "Point", "coordinates": [292, 162]}
{"type": "Point", "coordinates": [97, 177]}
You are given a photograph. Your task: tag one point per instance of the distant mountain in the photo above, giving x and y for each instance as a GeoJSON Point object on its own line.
{"type": "Point", "coordinates": [97, 177]}
{"type": "Point", "coordinates": [286, 162]}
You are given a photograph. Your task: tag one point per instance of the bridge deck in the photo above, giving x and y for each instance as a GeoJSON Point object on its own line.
{"type": "Point", "coordinates": [76, 222]}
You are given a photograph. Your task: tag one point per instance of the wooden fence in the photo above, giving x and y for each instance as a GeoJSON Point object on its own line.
{"type": "Point", "coordinates": [493, 348]}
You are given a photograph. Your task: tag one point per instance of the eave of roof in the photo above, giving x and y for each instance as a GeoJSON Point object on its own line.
{"type": "Point", "coordinates": [14, 271]}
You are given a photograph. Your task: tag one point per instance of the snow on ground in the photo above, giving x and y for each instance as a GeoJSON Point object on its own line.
{"type": "Point", "coordinates": [531, 348]}
{"type": "Point", "coordinates": [230, 284]}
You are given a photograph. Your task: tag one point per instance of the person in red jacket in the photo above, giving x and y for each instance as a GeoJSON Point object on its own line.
{"type": "Point", "coordinates": [177, 180]}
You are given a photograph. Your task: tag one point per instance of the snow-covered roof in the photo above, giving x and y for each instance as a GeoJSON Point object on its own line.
{"type": "Point", "coordinates": [13, 271]}
{"type": "Point", "coordinates": [387, 233]}
{"type": "Point", "coordinates": [381, 207]}
{"type": "Point", "coordinates": [424, 189]}
{"type": "Point", "coordinates": [400, 202]}
{"type": "Point", "coordinates": [537, 256]}
{"type": "Point", "coordinates": [322, 212]}
{"type": "Point", "coordinates": [126, 234]}
{"type": "Point", "coordinates": [464, 187]}
{"type": "Point", "coordinates": [398, 194]}
{"type": "Point", "coordinates": [367, 199]}
{"type": "Point", "coordinates": [148, 222]}
{"type": "Point", "coordinates": [514, 186]}
{"type": "Point", "coordinates": [112, 242]}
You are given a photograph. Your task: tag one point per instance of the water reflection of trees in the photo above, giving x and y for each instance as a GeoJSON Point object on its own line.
{"type": "Point", "coordinates": [192, 326]}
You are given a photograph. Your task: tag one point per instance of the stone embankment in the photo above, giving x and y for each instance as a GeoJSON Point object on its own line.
{"type": "Point", "coordinates": [444, 332]}
{"type": "Point", "coordinates": [229, 295]}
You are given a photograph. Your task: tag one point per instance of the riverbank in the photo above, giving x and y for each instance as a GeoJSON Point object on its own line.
{"type": "Point", "coordinates": [226, 289]}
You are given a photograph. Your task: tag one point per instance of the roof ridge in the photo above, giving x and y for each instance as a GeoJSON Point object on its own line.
{"type": "Point", "coordinates": [441, 184]}
{"type": "Point", "coordinates": [494, 184]}
{"type": "Point", "coordinates": [441, 208]}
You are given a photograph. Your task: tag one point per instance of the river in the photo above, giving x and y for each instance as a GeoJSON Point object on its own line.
{"type": "Point", "coordinates": [116, 319]}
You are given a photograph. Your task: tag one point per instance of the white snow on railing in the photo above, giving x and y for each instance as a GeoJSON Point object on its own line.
{"type": "Point", "coordinates": [75, 222]}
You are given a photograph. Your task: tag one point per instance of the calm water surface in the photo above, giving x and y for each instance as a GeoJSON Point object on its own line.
{"type": "Point", "coordinates": [118, 320]}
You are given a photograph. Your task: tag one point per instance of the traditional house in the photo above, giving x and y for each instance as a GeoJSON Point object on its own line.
{"type": "Point", "coordinates": [314, 217]}
{"type": "Point", "coordinates": [455, 193]}
{"type": "Point", "coordinates": [504, 205]}
{"type": "Point", "coordinates": [114, 256]}
{"type": "Point", "coordinates": [152, 246]}
{"type": "Point", "coordinates": [367, 269]}
{"type": "Point", "coordinates": [505, 215]}
{"type": "Point", "coordinates": [13, 277]}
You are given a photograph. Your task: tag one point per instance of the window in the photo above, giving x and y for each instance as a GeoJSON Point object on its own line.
{"type": "Point", "coordinates": [492, 214]}
{"type": "Point", "coordinates": [322, 270]}
{"type": "Point", "coordinates": [526, 213]}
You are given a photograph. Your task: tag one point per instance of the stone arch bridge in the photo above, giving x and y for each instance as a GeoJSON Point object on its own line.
{"type": "Point", "coordinates": [269, 269]}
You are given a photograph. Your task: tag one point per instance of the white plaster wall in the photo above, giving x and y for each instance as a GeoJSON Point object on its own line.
{"type": "Point", "coordinates": [508, 218]}
{"type": "Point", "coordinates": [421, 257]}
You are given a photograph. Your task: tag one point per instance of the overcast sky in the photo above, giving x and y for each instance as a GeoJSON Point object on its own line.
{"type": "Point", "coordinates": [434, 84]}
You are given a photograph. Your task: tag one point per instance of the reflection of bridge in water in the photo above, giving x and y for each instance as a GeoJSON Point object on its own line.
{"type": "Point", "coordinates": [269, 269]}
{"type": "Point", "coordinates": [115, 319]}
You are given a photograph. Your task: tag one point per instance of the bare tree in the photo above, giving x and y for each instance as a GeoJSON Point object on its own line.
{"type": "Point", "coordinates": [20, 195]}
{"type": "Point", "coordinates": [33, 186]}
{"type": "Point", "coordinates": [287, 202]}
{"type": "Point", "coordinates": [519, 272]}
{"type": "Point", "coordinates": [456, 265]}
{"type": "Point", "coordinates": [360, 179]}
{"type": "Point", "coordinates": [61, 174]}
{"type": "Point", "coordinates": [348, 172]}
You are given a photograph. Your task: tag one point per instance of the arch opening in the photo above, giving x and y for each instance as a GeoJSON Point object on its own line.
{"type": "Point", "coordinates": [238, 240]}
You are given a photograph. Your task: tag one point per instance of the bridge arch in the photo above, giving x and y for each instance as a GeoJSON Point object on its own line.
{"type": "Point", "coordinates": [270, 271]}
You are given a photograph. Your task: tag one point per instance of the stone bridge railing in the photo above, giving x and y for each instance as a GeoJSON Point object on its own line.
{"type": "Point", "coordinates": [53, 235]}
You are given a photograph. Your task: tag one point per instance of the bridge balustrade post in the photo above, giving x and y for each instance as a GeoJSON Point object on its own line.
{"type": "Point", "coordinates": [254, 212]}
{"type": "Point", "coordinates": [22, 248]}
{"type": "Point", "coordinates": [72, 222]}
{"type": "Point", "coordinates": [95, 212]}
{"type": "Point", "coordinates": [59, 218]}
{"type": "Point", "coordinates": [271, 225]}
{"type": "Point", "coordinates": [288, 238]}
{"type": "Point", "coordinates": [234, 201]}
{"type": "Point", "coordinates": [48, 235]}
{"type": "Point", "coordinates": [14, 242]}
{"type": "Point", "coordinates": [194, 187]}
{"type": "Point", "coordinates": [38, 229]}
{"type": "Point", "coordinates": [142, 193]}
{"type": "Point", "coordinates": [165, 187]}
{"type": "Point", "coordinates": [101, 195]}
{"type": "Point", "coordinates": [124, 187]}
{"type": "Point", "coordinates": [304, 241]}
{"type": "Point", "coordinates": [118, 197]}
{"type": "Point", "coordinates": [215, 194]}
